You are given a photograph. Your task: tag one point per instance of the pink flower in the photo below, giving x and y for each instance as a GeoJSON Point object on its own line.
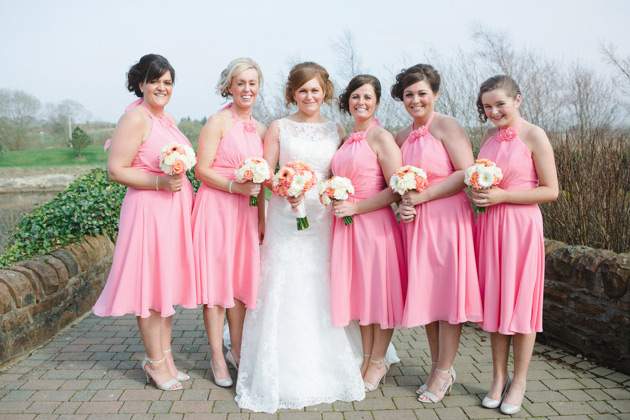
{"type": "Point", "coordinates": [508, 134]}
{"type": "Point", "coordinates": [417, 134]}
{"type": "Point", "coordinates": [249, 126]}
{"type": "Point", "coordinates": [356, 136]}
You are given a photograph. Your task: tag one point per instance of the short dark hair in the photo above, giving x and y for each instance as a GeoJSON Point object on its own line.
{"type": "Point", "coordinates": [356, 83]}
{"type": "Point", "coordinates": [500, 81]}
{"type": "Point", "coordinates": [415, 74]}
{"type": "Point", "coordinates": [150, 67]}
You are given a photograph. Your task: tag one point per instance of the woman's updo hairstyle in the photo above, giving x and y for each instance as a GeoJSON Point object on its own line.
{"type": "Point", "coordinates": [150, 67]}
{"type": "Point", "coordinates": [304, 72]}
{"type": "Point", "coordinates": [235, 67]}
{"type": "Point", "coordinates": [415, 74]}
{"type": "Point", "coordinates": [356, 83]}
{"type": "Point", "coordinates": [500, 81]}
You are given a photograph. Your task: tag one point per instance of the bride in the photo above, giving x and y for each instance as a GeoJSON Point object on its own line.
{"type": "Point", "coordinates": [291, 354]}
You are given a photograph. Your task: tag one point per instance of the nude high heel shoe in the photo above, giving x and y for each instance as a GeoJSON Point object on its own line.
{"type": "Point", "coordinates": [222, 382]}
{"type": "Point", "coordinates": [371, 387]}
{"type": "Point", "coordinates": [230, 359]}
{"type": "Point", "coordinates": [166, 386]}
{"type": "Point", "coordinates": [512, 409]}
{"type": "Point", "coordinates": [181, 376]}
{"type": "Point", "coordinates": [490, 403]}
{"type": "Point", "coordinates": [432, 398]}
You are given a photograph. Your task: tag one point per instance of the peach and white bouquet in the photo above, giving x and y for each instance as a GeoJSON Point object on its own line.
{"type": "Point", "coordinates": [176, 158]}
{"type": "Point", "coordinates": [408, 178]}
{"type": "Point", "coordinates": [292, 180]}
{"type": "Point", "coordinates": [483, 174]}
{"type": "Point", "coordinates": [336, 188]}
{"type": "Point", "coordinates": [253, 169]}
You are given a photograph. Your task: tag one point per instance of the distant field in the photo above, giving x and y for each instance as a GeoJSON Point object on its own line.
{"type": "Point", "coordinates": [91, 156]}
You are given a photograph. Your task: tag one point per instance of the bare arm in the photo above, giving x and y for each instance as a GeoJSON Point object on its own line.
{"type": "Point", "coordinates": [132, 129]}
{"type": "Point", "coordinates": [209, 140]}
{"type": "Point", "coordinates": [457, 145]}
{"type": "Point", "coordinates": [544, 162]}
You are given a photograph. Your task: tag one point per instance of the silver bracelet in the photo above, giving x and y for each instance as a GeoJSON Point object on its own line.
{"type": "Point", "coordinates": [156, 183]}
{"type": "Point", "coordinates": [230, 189]}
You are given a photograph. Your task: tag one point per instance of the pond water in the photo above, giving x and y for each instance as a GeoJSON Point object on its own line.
{"type": "Point", "coordinates": [14, 205]}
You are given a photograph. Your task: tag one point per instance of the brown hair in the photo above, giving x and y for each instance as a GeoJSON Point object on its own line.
{"type": "Point", "coordinates": [301, 74]}
{"type": "Point", "coordinates": [415, 74]}
{"type": "Point", "coordinates": [500, 81]}
{"type": "Point", "coordinates": [356, 83]}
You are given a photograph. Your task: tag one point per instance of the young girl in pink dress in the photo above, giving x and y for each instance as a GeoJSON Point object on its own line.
{"type": "Point", "coordinates": [368, 273]}
{"type": "Point", "coordinates": [226, 229]}
{"type": "Point", "coordinates": [443, 289]}
{"type": "Point", "coordinates": [510, 249]}
{"type": "Point", "coordinates": [153, 267]}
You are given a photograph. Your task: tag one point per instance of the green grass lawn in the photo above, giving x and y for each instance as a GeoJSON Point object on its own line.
{"type": "Point", "coordinates": [90, 156]}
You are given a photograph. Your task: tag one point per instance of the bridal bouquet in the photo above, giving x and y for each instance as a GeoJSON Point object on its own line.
{"type": "Point", "coordinates": [335, 189]}
{"type": "Point", "coordinates": [408, 178]}
{"type": "Point", "coordinates": [483, 174]}
{"type": "Point", "coordinates": [176, 158]}
{"type": "Point", "coordinates": [292, 180]}
{"type": "Point", "coordinates": [253, 169]}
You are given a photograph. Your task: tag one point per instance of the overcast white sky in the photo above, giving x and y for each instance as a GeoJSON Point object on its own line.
{"type": "Point", "coordinates": [81, 50]}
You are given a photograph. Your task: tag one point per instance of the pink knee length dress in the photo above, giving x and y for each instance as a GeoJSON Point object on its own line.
{"type": "Point", "coordinates": [368, 273]}
{"type": "Point", "coordinates": [510, 247]}
{"type": "Point", "coordinates": [225, 227]}
{"type": "Point", "coordinates": [439, 243]}
{"type": "Point", "coordinates": [153, 266]}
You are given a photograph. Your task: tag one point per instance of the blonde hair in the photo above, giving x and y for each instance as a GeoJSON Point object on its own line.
{"type": "Point", "coordinates": [302, 73]}
{"type": "Point", "coordinates": [235, 67]}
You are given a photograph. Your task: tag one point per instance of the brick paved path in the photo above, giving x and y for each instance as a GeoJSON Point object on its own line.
{"type": "Point", "coordinates": [92, 371]}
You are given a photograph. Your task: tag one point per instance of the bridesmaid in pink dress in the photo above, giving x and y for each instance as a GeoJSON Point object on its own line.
{"type": "Point", "coordinates": [227, 231]}
{"type": "Point", "coordinates": [153, 267]}
{"type": "Point", "coordinates": [368, 275]}
{"type": "Point", "coordinates": [443, 290]}
{"type": "Point", "coordinates": [510, 249]}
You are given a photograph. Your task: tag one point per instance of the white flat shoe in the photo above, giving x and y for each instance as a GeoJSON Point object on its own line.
{"type": "Point", "coordinates": [490, 403]}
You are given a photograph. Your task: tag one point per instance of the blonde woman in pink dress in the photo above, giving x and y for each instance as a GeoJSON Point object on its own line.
{"type": "Point", "coordinates": [510, 248]}
{"type": "Point", "coordinates": [153, 266]}
{"type": "Point", "coordinates": [227, 231]}
{"type": "Point", "coordinates": [368, 272]}
{"type": "Point", "coordinates": [443, 289]}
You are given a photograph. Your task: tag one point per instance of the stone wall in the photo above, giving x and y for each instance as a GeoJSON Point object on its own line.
{"type": "Point", "coordinates": [39, 297]}
{"type": "Point", "coordinates": [587, 303]}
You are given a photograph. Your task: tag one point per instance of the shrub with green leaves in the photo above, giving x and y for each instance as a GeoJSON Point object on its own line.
{"type": "Point", "coordinates": [90, 205]}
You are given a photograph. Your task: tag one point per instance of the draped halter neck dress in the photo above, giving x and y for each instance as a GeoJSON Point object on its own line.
{"type": "Point", "coordinates": [225, 227]}
{"type": "Point", "coordinates": [439, 243]}
{"type": "Point", "coordinates": [510, 245]}
{"type": "Point", "coordinates": [368, 272]}
{"type": "Point", "coordinates": [153, 266]}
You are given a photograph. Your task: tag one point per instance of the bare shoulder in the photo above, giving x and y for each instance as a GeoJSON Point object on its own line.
{"type": "Point", "coordinates": [533, 136]}
{"type": "Point", "coordinates": [134, 118]}
{"type": "Point", "coordinates": [341, 131]}
{"type": "Point", "coordinates": [445, 124]}
{"type": "Point", "coordinates": [381, 136]}
{"type": "Point", "coordinates": [402, 135]}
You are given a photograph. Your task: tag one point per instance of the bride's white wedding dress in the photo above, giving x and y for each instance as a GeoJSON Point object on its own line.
{"type": "Point", "coordinates": [291, 355]}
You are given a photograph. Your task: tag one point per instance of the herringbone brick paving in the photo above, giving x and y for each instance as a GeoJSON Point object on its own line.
{"type": "Point", "coordinates": [92, 371]}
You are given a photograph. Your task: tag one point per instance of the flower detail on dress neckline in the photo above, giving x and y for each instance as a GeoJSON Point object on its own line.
{"type": "Point", "coordinates": [357, 136]}
{"type": "Point", "coordinates": [418, 133]}
{"type": "Point", "coordinates": [249, 126]}
{"type": "Point", "coordinates": [508, 134]}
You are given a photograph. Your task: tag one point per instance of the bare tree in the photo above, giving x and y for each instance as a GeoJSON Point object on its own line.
{"type": "Point", "coordinates": [621, 66]}
{"type": "Point", "coordinates": [18, 111]}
